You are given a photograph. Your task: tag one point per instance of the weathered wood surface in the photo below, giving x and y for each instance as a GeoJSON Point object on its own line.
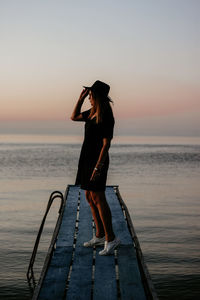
{"type": "Point", "coordinates": [81, 276]}
{"type": "Point", "coordinates": [76, 272]}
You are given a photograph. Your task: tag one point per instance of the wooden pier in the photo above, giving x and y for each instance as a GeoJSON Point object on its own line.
{"type": "Point", "coordinates": [72, 271]}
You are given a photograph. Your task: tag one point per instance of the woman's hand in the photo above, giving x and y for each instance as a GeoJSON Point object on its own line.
{"type": "Point", "coordinates": [97, 172]}
{"type": "Point", "coordinates": [95, 175]}
{"type": "Point", "coordinates": [83, 94]}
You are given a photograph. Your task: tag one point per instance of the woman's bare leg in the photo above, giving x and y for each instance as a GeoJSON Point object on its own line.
{"type": "Point", "coordinates": [99, 200]}
{"type": "Point", "coordinates": [95, 213]}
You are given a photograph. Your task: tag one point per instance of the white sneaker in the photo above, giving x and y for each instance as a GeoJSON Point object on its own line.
{"type": "Point", "coordinates": [95, 241]}
{"type": "Point", "coordinates": [109, 247]}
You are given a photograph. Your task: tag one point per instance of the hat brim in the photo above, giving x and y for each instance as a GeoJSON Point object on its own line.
{"type": "Point", "coordinates": [87, 87]}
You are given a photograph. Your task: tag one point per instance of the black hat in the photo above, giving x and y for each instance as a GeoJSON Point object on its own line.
{"type": "Point", "coordinates": [99, 87]}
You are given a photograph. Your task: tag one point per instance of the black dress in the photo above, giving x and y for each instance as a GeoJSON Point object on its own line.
{"type": "Point", "coordinates": [91, 148]}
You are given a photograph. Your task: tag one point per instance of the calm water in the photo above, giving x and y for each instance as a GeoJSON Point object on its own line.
{"type": "Point", "coordinates": [160, 184]}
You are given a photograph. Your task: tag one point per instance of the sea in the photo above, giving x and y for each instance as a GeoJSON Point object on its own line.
{"type": "Point", "coordinates": [158, 178]}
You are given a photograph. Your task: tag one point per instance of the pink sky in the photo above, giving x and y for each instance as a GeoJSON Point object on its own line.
{"type": "Point", "coordinates": [148, 52]}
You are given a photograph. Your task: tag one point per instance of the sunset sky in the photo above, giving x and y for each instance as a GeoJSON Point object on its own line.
{"type": "Point", "coordinates": [148, 51]}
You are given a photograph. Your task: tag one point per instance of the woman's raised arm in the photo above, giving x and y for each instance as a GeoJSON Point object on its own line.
{"type": "Point", "coordinates": [76, 115]}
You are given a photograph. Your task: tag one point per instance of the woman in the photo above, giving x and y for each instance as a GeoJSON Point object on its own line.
{"type": "Point", "coordinates": [94, 161]}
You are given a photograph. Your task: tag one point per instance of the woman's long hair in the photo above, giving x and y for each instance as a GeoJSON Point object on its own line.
{"type": "Point", "coordinates": [101, 107]}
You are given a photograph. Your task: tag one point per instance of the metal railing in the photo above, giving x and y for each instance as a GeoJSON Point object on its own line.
{"type": "Point", "coordinates": [54, 195]}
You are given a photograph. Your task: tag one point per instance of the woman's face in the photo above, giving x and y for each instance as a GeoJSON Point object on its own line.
{"type": "Point", "coordinates": [91, 98]}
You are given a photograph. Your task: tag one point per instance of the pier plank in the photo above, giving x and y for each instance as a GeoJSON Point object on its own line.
{"type": "Point", "coordinates": [131, 286]}
{"type": "Point", "coordinates": [105, 284]}
{"type": "Point", "coordinates": [80, 285]}
{"type": "Point", "coordinates": [54, 284]}
{"type": "Point", "coordinates": [119, 225]}
{"type": "Point", "coordinates": [67, 228]}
